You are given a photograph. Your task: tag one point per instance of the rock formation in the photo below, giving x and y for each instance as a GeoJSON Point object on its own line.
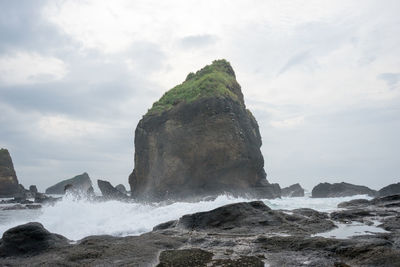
{"type": "Point", "coordinates": [121, 188]}
{"type": "Point", "coordinates": [110, 192]}
{"type": "Point", "coordinates": [8, 178]}
{"type": "Point", "coordinates": [29, 239]}
{"type": "Point", "coordinates": [391, 189]}
{"type": "Point", "coordinates": [33, 189]}
{"type": "Point", "coordinates": [340, 190]}
{"type": "Point", "coordinates": [80, 182]}
{"type": "Point", "coordinates": [294, 190]}
{"type": "Point", "coordinates": [199, 140]}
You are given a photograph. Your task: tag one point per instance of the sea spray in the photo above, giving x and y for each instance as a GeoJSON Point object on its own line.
{"type": "Point", "coordinates": [76, 219]}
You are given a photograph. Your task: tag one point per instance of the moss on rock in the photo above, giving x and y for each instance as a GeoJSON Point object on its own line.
{"type": "Point", "coordinates": [217, 79]}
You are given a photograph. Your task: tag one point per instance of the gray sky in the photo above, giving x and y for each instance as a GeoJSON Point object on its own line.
{"type": "Point", "coordinates": [321, 77]}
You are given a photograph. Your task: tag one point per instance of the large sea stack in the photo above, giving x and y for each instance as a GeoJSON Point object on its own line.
{"type": "Point", "coordinates": [8, 177]}
{"type": "Point", "coordinates": [199, 140]}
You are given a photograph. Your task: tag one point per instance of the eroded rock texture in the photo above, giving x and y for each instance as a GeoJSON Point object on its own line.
{"type": "Point", "coordinates": [199, 140]}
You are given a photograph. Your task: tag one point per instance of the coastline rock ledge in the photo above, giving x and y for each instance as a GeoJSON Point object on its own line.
{"type": "Point", "coordinates": [199, 140]}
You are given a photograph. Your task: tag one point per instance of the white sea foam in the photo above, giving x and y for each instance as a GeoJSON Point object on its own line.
{"type": "Point", "coordinates": [352, 229]}
{"type": "Point", "coordinates": [78, 219]}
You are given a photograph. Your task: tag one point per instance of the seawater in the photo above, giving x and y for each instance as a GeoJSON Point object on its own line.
{"type": "Point", "coordinates": [76, 219]}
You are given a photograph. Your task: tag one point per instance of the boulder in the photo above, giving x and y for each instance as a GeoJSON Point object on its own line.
{"type": "Point", "coordinates": [324, 190]}
{"type": "Point", "coordinates": [200, 140]}
{"type": "Point", "coordinates": [121, 188]}
{"type": "Point", "coordinates": [252, 217]}
{"type": "Point", "coordinates": [29, 239]}
{"type": "Point", "coordinates": [109, 191]}
{"type": "Point", "coordinates": [294, 190]}
{"type": "Point", "coordinates": [8, 178]}
{"type": "Point", "coordinates": [80, 182]}
{"type": "Point", "coordinates": [392, 189]}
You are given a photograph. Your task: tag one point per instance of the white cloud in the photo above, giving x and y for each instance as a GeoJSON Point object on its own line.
{"type": "Point", "coordinates": [288, 123]}
{"type": "Point", "coordinates": [30, 68]}
{"type": "Point", "coordinates": [300, 63]}
{"type": "Point", "coordinates": [61, 127]}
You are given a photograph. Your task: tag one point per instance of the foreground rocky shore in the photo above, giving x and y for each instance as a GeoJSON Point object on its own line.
{"type": "Point", "coordinates": [241, 234]}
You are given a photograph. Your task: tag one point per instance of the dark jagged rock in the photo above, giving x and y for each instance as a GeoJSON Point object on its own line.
{"type": "Point", "coordinates": [351, 215]}
{"type": "Point", "coordinates": [29, 239]}
{"type": "Point", "coordinates": [391, 223]}
{"type": "Point", "coordinates": [294, 190]}
{"type": "Point", "coordinates": [198, 140]}
{"type": "Point", "coordinates": [121, 188]}
{"type": "Point", "coordinates": [80, 182]}
{"type": "Point", "coordinates": [109, 191]}
{"type": "Point", "coordinates": [253, 217]}
{"type": "Point", "coordinates": [381, 209]}
{"type": "Point", "coordinates": [8, 178]}
{"type": "Point", "coordinates": [387, 201]}
{"type": "Point", "coordinates": [209, 241]}
{"type": "Point", "coordinates": [392, 189]}
{"type": "Point", "coordinates": [324, 190]}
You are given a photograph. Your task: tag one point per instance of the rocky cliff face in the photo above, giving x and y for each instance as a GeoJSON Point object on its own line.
{"type": "Point", "coordinates": [8, 177]}
{"type": "Point", "coordinates": [198, 140]}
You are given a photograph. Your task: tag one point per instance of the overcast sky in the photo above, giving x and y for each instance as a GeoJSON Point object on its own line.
{"type": "Point", "coordinates": [321, 77]}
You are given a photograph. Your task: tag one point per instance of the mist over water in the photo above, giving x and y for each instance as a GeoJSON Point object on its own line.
{"type": "Point", "coordinates": [77, 219]}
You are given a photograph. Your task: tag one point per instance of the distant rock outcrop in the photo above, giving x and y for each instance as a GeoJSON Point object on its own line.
{"type": "Point", "coordinates": [392, 189]}
{"type": "Point", "coordinates": [121, 188]}
{"type": "Point", "coordinates": [33, 189]}
{"type": "Point", "coordinates": [294, 190]}
{"type": "Point", "coordinates": [8, 178]}
{"type": "Point", "coordinates": [324, 190]}
{"type": "Point", "coordinates": [199, 140]}
{"type": "Point", "coordinates": [110, 192]}
{"type": "Point", "coordinates": [80, 182]}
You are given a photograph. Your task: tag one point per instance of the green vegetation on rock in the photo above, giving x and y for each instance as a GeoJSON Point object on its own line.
{"type": "Point", "coordinates": [216, 79]}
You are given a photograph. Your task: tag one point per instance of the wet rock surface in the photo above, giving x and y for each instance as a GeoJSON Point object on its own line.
{"type": "Point", "coordinates": [241, 234]}
{"type": "Point", "coordinates": [383, 210]}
